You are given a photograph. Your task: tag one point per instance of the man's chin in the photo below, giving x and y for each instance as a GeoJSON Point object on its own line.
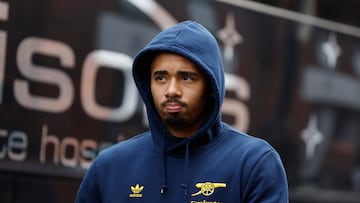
{"type": "Point", "coordinates": [175, 121]}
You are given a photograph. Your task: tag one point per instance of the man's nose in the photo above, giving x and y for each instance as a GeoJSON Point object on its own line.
{"type": "Point", "coordinates": [173, 89]}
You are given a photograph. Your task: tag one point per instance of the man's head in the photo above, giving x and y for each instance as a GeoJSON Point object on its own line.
{"type": "Point", "coordinates": [194, 50]}
{"type": "Point", "coordinates": [179, 91]}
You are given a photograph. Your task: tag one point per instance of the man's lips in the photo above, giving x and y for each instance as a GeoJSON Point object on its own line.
{"type": "Point", "coordinates": [173, 107]}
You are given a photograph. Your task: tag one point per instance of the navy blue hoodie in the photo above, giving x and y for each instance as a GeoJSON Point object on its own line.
{"type": "Point", "coordinates": [216, 164]}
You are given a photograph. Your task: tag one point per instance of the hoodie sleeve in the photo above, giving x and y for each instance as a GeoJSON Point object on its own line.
{"type": "Point", "coordinates": [88, 191]}
{"type": "Point", "coordinates": [267, 181]}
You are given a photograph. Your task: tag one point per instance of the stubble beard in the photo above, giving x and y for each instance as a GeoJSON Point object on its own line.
{"type": "Point", "coordinates": [175, 121]}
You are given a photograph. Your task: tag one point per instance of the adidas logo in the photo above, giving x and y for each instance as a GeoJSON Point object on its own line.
{"type": "Point", "coordinates": [136, 191]}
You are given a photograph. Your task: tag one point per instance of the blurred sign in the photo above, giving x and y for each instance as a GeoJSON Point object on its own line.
{"type": "Point", "coordinates": [66, 89]}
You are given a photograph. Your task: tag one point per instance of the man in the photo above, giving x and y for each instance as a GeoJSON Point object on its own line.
{"type": "Point", "coordinates": [188, 154]}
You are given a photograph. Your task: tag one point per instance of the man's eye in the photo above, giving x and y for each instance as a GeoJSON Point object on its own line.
{"type": "Point", "coordinates": [160, 78]}
{"type": "Point", "coordinates": [186, 77]}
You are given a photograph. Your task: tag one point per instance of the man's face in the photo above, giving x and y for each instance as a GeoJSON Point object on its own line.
{"type": "Point", "coordinates": [179, 93]}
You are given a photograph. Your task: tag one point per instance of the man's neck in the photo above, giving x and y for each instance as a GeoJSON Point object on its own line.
{"type": "Point", "coordinates": [183, 132]}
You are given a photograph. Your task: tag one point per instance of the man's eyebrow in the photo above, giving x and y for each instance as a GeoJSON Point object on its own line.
{"type": "Point", "coordinates": [160, 72]}
{"type": "Point", "coordinates": [164, 72]}
{"type": "Point", "coordinates": [188, 73]}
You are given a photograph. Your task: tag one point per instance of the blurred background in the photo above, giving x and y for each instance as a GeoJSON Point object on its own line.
{"type": "Point", "coordinates": [66, 90]}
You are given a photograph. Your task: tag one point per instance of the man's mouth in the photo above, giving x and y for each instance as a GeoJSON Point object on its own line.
{"type": "Point", "coordinates": [173, 107]}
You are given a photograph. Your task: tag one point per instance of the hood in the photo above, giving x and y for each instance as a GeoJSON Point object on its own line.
{"type": "Point", "coordinates": [196, 43]}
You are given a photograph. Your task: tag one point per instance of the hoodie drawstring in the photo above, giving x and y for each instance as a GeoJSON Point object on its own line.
{"type": "Point", "coordinates": [186, 166]}
{"type": "Point", "coordinates": [164, 187]}
{"type": "Point", "coordinates": [184, 181]}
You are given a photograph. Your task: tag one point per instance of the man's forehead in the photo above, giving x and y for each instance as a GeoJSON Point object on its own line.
{"type": "Point", "coordinates": [169, 58]}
